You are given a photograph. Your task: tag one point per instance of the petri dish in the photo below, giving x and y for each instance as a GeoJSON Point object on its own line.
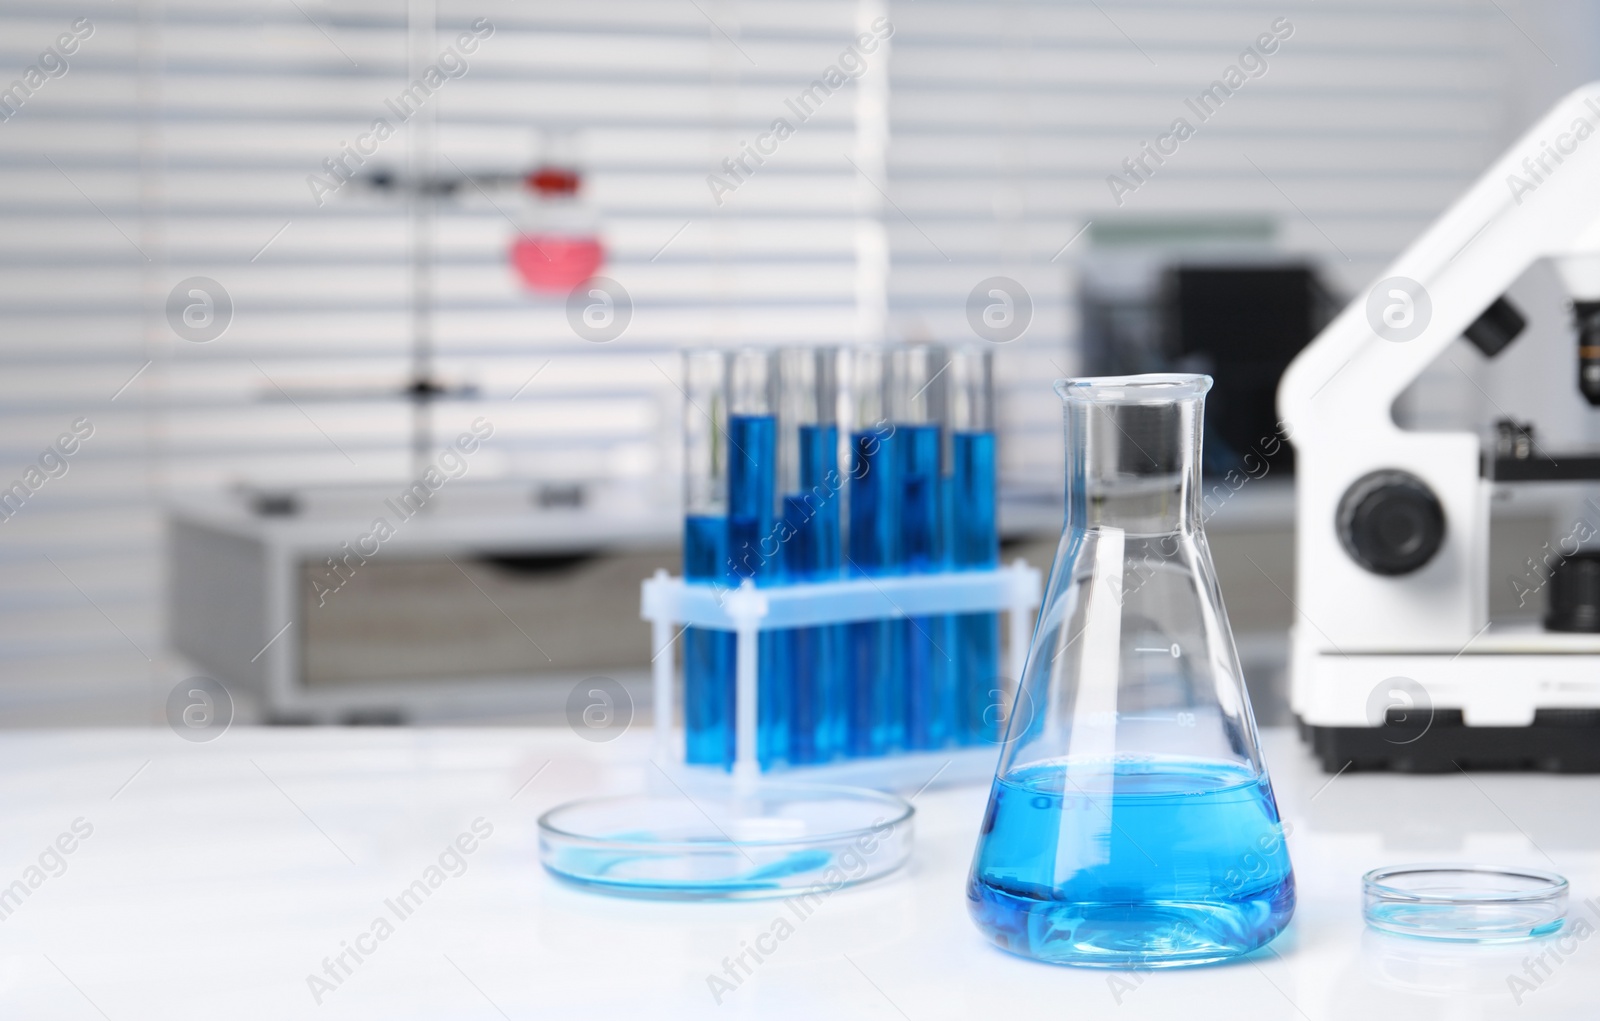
{"type": "Point", "coordinates": [777, 840]}
{"type": "Point", "coordinates": [1464, 903]}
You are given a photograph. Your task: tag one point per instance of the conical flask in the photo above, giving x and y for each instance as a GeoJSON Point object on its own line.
{"type": "Point", "coordinates": [1131, 822]}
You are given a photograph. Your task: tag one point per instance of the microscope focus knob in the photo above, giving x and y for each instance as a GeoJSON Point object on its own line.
{"type": "Point", "coordinates": [1390, 522]}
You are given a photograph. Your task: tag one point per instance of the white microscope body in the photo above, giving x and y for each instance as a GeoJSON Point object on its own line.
{"type": "Point", "coordinates": [1366, 640]}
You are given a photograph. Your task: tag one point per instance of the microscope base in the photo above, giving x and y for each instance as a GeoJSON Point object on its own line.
{"type": "Point", "coordinates": [1558, 741]}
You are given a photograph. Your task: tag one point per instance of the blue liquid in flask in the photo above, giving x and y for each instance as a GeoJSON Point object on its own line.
{"type": "Point", "coordinates": [1147, 864]}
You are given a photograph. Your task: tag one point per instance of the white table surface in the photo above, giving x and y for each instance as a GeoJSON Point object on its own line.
{"type": "Point", "coordinates": [218, 876]}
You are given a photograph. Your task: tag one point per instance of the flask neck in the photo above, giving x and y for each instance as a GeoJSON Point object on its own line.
{"type": "Point", "coordinates": [1134, 464]}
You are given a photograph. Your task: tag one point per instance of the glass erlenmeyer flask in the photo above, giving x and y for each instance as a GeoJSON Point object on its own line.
{"type": "Point", "coordinates": [1131, 821]}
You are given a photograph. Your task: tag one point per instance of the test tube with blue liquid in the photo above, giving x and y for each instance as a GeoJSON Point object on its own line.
{"type": "Point", "coordinates": [875, 717]}
{"type": "Point", "coordinates": [924, 671]}
{"type": "Point", "coordinates": [812, 487]}
{"type": "Point", "coordinates": [974, 538]}
{"type": "Point", "coordinates": [755, 549]}
{"type": "Point", "coordinates": [708, 655]}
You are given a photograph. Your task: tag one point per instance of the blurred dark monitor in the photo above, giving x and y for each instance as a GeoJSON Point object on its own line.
{"type": "Point", "coordinates": [1242, 324]}
{"type": "Point", "coordinates": [1248, 322]}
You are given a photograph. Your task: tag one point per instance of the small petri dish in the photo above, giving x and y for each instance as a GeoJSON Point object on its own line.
{"type": "Point", "coordinates": [778, 840]}
{"type": "Point", "coordinates": [1464, 903]}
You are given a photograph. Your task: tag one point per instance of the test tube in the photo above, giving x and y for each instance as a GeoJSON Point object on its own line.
{"type": "Point", "coordinates": [811, 484]}
{"type": "Point", "coordinates": [754, 547]}
{"type": "Point", "coordinates": [974, 537]}
{"type": "Point", "coordinates": [708, 655]}
{"type": "Point", "coordinates": [875, 718]}
{"type": "Point", "coordinates": [926, 670]}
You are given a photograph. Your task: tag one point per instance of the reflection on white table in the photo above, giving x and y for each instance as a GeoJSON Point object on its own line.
{"type": "Point", "coordinates": [393, 874]}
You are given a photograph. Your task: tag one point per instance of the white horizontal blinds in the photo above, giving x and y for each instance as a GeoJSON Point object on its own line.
{"type": "Point", "coordinates": [241, 103]}
{"type": "Point", "coordinates": [647, 99]}
{"type": "Point", "coordinates": [78, 547]}
{"type": "Point", "coordinates": [1007, 119]}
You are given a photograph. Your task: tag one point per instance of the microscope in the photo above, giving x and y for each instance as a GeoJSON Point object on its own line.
{"type": "Point", "coordinates": [1394, 661]}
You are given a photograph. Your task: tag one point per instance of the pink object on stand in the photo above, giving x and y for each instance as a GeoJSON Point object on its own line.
{"type": "Point", "coordinates": [558, 246]}
{"type": "Point", "coordinates": [550, 262]}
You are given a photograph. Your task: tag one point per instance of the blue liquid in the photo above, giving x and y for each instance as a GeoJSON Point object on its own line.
{"type": "Point", "coordinates": [975, 647]}
{"type": "Point", "coordinates": [974, 535]}
{"type": "Point", "coordinates": [636, 873]}
{"type": "Point", "coordinates": [814, 657]}
{"type": "Point", "coordinates": [754, 551]}
{"type": "Point", "coordinates": [975, 544]}
{"type": "Point", "coordinates": [919, 497]}
{"type": "Point", "coordinates": [814, 511]}
{"type": "Point", "coordinates": [873, 724]}
{"type": "Point", "coordinates": [708, 656]}
{"type": "Point", "coordinates": [1141, 864]}
{"type": "Point", "coordinates": [925, 671]}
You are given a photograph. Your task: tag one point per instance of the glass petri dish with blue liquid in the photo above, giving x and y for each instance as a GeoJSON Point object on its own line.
{"type": "Point", "coordinates": [1464, 903]}
{"type": "Point", "coordinates": [774, 840]}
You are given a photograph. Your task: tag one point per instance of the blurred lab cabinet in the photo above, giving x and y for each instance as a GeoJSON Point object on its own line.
{"type": "Point", "coordinates": [495, 613]}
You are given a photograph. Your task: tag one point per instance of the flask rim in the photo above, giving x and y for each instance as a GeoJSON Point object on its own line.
{"type": "Point", "coordinates": [1147, 388]}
